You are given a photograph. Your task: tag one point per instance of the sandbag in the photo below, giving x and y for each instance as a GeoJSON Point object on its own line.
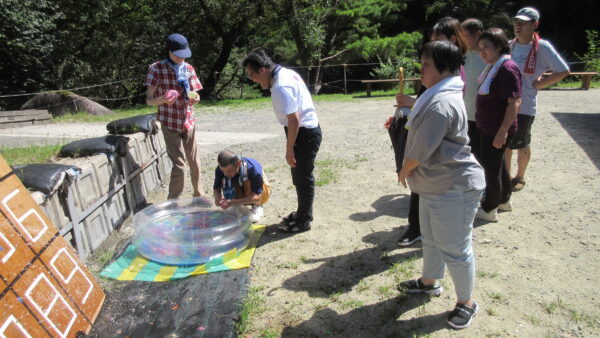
{"type": "Point", "coordinates": [105, 144]}
{"type": "Point", "coordinates": [46, 177]}
{"type": "Point", "coordinates": [135, 124]}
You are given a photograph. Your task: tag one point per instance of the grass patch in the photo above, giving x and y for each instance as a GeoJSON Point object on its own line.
{"type": "Point", "coordinates": [574, 315]}
{"type": "Point", "coordinates": [496, 297]}
{"type": "Point", "coordinates": [326, 170]}
{"type": "Point", "coordinates": [533, 320]}
{"type": "Point", "coordinates": [252, 305]}
{"type": "Point", "coordinates": [351, 304]}
{"type": "Point", "coordinates": [403, 270]}
{"type": "Point", "coordinates": [270, 333]}
{"type": "Point", "coordinates": [362, 286]}
{"type": "Point", "coordinates": [325, 176]}
{"type": "Point", "coordinates": [29, 154]}
{"type": "Point", "coordinates": [491, 311]}
{"type": "Point", "coordinates": [553, 306]}
{"type": "Point", "coordinates": [574, 82]}
{"type": "Point", "coordinates": [385, 291]}
{"type": "Point", "coordinates": [288, 265]}
{"type": "Point", "coordinates": [483, 274]}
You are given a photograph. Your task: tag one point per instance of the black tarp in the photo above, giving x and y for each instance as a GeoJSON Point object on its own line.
{"type": "Point", "coordinates": [199, 306]}
{"type": "Point", "coordinates": [45, 177]}
{"type": "Point", "coordinates": [135, 124]}
{"type": "Point", "coordinates": [105, 144]}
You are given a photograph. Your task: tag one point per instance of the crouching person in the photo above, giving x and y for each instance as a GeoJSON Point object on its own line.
{"type": "Point", "coordinates": [240, 181]}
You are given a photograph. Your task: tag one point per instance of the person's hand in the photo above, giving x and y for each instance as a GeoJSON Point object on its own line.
{"type": "Point", "coordinates": [537, 84]}
{"type": "Point", "coordinates": [225, 204]}
{"type": "Point", "coordinates": [402, 175]}
{"type": "Point", "coordinates": [290, 157]}
{"type": "Point", "coordinates": [168, 99]}
{"type": "Point", "coordinates": [388, 122]}
{"type": "Point", "coordinates": [219, 200]}
{"type": "Point", "coordinates": [403, 100]}
{"type": "Point", "coordinates": [500, 139]}
{"type": "Point", "coordinates": [195, 100]}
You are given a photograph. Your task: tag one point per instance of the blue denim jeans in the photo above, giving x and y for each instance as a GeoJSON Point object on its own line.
{"type": "Point", "coordinates": [446, 226]}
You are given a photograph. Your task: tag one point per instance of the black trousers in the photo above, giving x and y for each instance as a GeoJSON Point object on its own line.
{"type": "Point", "coordinates": [497, 180]}
{"type": "Point", "coordinates": [413, 214]}
{"type": "Point", "coordinates": [474, 141]}
{"type": "Point", "coordinates": [306, 148]}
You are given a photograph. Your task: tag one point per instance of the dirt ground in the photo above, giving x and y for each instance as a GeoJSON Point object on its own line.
{"type": "Point", "coordinates": [537, 268]}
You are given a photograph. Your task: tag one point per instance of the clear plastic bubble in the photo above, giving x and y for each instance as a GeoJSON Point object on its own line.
{"type": "Point", "coordinates": [189, 231]}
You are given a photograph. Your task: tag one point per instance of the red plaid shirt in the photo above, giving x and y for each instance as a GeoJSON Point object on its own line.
{"type": "Point", "coordinates": [178, 116]}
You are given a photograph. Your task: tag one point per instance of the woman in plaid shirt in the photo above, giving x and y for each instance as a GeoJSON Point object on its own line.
{"type": "Point", "coordinates": [172, 86]}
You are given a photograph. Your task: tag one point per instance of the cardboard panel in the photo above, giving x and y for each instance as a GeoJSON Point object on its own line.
{"type": "Point", "coordinates": [45, 289]}
{"type": "Point", "coordinates": [14, 252]}
{"type": "Point", "coordinates": [15, 320]}
{"type": "Point", "coordinates": [40, 294]}
{"type": "Point", "coordinates": [22, 211]}
{"type": "Point", "coordinates": [78, 283]}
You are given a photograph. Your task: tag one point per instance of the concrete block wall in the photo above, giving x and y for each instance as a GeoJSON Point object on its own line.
{"type": "Point", "coordinates": [100, 197]}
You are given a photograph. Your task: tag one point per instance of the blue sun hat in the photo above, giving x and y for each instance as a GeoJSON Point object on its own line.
{"type": "Point", "coordinates": [178, 45]}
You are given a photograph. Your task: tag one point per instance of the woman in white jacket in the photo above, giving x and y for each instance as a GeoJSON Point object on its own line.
{"type": "Point", "coordinates": [439, 166]}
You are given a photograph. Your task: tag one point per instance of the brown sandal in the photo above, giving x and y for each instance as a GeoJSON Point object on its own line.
{"type": "Point", "coordinates": [517, 184]}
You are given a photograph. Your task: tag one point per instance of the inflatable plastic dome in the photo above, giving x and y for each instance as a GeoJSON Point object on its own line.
{"type": "Point", "coordinates": [189, 231]}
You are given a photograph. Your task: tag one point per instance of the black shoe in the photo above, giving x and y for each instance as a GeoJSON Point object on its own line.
{"type": "Point", "coordinates": [294, 227]}
{"type": "Point", "coordinates": [462, 316]}
{"type": "Point", "coordinates": [409, 238]}
{"type": "Point", "coordinates": [416, 286]}
{"type": "Point", "coordinates": [293, 217]}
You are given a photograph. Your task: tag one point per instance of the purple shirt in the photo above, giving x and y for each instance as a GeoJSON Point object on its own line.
{"type": "Point", "coordinates": [492, 107]}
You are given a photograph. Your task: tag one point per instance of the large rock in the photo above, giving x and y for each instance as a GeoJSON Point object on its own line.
{"type": "Point", "coordinates": [65, 102]}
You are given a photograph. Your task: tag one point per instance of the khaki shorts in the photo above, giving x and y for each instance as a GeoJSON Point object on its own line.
{"type": "Point", "coordinates": [247, 190]}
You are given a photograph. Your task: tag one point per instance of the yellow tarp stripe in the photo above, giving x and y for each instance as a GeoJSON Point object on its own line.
{"type": "Point", "coordinates": [201, 269]}
{"type": "Point", "coordinates": [137, 264]}
{"type": "Point", "coordinates": [165, 273]}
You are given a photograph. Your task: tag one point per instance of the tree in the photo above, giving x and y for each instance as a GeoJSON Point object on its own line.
{"type": "Point", "coordinates": [339, 30]}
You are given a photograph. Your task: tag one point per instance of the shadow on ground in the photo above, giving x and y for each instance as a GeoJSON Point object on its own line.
{"type": "Point", "coordinates": [340, 273]}
{"type": "Point", "coordinates": [376, 320]}
{"type": "Point", "coordinates": [388, 205]}
{"type": "Point", "coordinates": [585, 130]}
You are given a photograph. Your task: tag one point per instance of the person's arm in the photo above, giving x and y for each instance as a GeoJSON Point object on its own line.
{"type": "Point", "coordinates": [252, 199]}
{"type": "Point", "coordinates": [403, 100]}
{"type": "Point", "coordinates": [543, 82]}
{"type": "Point", "coordinates": [407, 168]}
{"type": "Point", "coordinates": [293, 127]}
{"type": "Point", "coordinates": [509, 116]}
{"type": "Point", "coordinates": [155, 101]}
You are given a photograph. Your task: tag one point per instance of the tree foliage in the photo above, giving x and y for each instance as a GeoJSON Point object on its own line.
{"type": "Point", "coordinates": [60, 44]}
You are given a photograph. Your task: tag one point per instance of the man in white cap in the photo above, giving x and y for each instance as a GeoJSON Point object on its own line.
{"type": "Point", "coordinates": [172, 86]}
{"type": "Point", "coordinates": [534, 57]}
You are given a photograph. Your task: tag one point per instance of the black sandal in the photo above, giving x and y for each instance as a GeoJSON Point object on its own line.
{"type": "Point", "coordinates": [294, 227]}
{"type": "Point", "coordinates": [290, 218]}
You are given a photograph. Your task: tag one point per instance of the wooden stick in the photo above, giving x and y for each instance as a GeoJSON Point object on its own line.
{"type": "Point", "coordinates": [401, 79]}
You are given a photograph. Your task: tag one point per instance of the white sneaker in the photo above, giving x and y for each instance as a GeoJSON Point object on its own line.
{"type": "Point", "coordinates": [257, 213]}
{"type": "Point", "coordinates": [505, 206]}
{"type": "Point", "coordinates": [491, 216]}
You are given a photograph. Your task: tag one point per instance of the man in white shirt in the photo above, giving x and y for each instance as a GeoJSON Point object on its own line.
{"type": "Point", "coordinates": [534, 57]}
{"type": "Point", "coordinates": [295, 111]}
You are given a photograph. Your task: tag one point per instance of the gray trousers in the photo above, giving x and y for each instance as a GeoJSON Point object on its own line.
{"type": "Point", "coordinates": [446, 225]}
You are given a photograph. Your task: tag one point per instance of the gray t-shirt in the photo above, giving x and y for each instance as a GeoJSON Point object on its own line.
{"type": "Point", "coordinates": [438, 140]}
{"type": "Point", "coordinates": [547, 60]}
{"type": "Point", "coordinates": [473, 68]}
